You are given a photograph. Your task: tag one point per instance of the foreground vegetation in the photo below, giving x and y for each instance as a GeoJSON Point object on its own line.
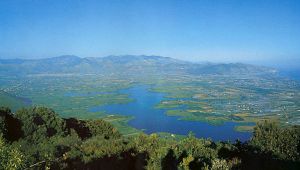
{"type": "Point", "coordinates": [37, 138]}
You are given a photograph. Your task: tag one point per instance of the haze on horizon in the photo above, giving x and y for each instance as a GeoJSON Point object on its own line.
{"type": "Point", "coordinates": [257, 31]}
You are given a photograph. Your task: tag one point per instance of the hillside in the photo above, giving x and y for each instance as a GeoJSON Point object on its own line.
{"type": "Point", "coordinates": [37, 138]}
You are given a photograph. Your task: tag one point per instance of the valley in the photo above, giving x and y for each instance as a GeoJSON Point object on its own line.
{"type": "Point", "coordinates": [235, 96]}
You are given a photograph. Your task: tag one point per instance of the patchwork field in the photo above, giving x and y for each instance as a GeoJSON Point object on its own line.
{"type": "Point", "coordinates": [212, 98]}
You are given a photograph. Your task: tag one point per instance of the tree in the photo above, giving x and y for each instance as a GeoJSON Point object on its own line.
{"type": "Point", "coordinates": [102, 128]}
{"type": "Point", "coordinates": [40, 122]}
{"type": "Point", "coordinates": [282, 142]}
{"type": "Point", "coordinates": [10, 126]}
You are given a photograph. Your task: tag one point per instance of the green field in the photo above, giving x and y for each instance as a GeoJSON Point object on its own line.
{"type": "Point", "coordinates": [213, 99]}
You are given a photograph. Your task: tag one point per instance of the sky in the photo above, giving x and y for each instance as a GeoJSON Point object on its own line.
{"type": "Point", "coordinates": [251, 31]}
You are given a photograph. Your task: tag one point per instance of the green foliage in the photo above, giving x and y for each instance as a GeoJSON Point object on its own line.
{"type": "Point", "coordinates": [186, 162]}
{"type": "Point", "coordinates": [39, 123]}
{"type": "Point", "coordinates": [219, 164]}
{"type": "Point", "coordinates": [50, 151]}
{"type": "Point", "coordinates": [45, 139]}
{"type": "Point", "coordinates": [100, 127]}
{"type": "Point", "coordinates": [105, 146]}
{"type": "Point", "coordinates": [282, 142]}
{"type": "Point", "coordinates": [98, 147]}
{"type": "Point", "coordinates": [200, 149]}
{"type": "Point", "coordinates": [156, 148]}
{"type": "Point", "coordinates": [10, 157]}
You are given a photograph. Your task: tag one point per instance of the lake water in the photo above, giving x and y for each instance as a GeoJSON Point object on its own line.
{"type": "Point", "coordinates": [152, 120]}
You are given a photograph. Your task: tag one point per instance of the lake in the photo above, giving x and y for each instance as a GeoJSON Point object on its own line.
{"type": "Point", "coordinates": [152, 120]}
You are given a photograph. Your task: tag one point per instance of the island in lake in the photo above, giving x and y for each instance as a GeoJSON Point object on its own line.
{"type": "Point", "coordinates": [155, 94]}
{"type": "Point", "coordinates": [146, 112]}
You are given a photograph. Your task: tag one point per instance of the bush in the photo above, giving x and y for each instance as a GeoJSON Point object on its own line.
{"type": "Point", "coordinates": [281, 142]}
{"type": "Point", "coordinates": [10, 157]}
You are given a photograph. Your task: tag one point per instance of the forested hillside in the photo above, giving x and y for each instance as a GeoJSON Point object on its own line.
{"type": "Point", "coordinates": [37, 138]}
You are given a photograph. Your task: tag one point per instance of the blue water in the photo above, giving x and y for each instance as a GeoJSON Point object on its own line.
{"type": "Point", "coordinates": [152, 120]}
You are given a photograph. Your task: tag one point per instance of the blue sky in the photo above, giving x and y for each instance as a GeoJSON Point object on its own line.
{"type": "Point", "coordinates": [202, 30]}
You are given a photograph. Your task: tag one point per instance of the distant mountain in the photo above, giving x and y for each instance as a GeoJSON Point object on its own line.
{"type": "Point", "coordinates": [125, 64]}
{"type": "Point", "coordinates": [231, 68]}
{"type": "Point", "coordinates": [125, 59]}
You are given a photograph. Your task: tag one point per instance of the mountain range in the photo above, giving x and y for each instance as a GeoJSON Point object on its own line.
{"type": "Point", "coordinates": [124, 64]}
